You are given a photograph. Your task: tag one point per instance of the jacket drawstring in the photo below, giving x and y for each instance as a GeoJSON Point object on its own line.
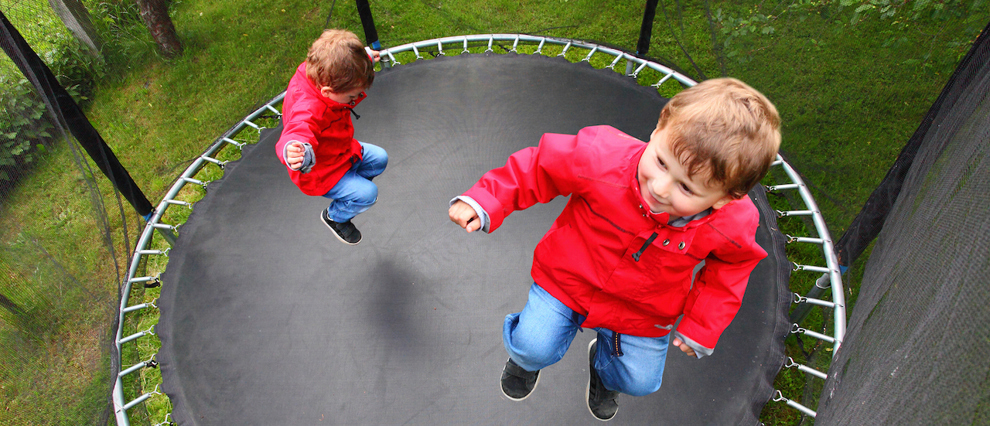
{"type": "Point", "coordinates": [649, 241]}
{"type": "Point", "coordinates": [356, 116]}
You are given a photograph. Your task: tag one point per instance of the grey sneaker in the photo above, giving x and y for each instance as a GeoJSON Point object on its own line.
{"type": "Point", "coordinates": [346, 232]}
{"type": "Point", "coordinates": [518, 384]}
{"type": "Point", "coordinates": [601, 401]}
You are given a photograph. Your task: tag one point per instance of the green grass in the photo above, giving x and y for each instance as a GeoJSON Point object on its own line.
{"type": "Point", "coordinates": [848, 97]}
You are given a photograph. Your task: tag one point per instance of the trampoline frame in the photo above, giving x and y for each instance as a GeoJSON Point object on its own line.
{"type": "Point", "coordinates": [830, 279]}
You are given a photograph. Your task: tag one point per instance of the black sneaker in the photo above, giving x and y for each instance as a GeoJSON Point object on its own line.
{"type": "Point", "coordinates": [518, 384]}
{"type": "Point", "coordinates": [601, 401]}
{"type": "Point", "coordinates": [344, 231]}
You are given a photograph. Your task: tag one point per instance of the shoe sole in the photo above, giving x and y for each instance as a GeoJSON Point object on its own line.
{"type": "Point", "coordinates": [587, 390]}
{"type": "Point", "coordinates": [335, 232]}
{"type": "Point", "coordinates": [518, 399]}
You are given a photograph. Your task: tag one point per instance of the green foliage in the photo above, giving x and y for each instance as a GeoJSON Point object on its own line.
{"type": "Point", "coordinates": [24, 134]}
{"type": "Point", "coordinates": [741, 29]}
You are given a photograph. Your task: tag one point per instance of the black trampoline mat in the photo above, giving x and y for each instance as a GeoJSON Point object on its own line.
{"type": "Point", "coordinates": [267, 319]}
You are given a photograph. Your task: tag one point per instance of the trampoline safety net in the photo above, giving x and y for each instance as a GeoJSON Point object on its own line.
{"type": "Point", "coordinates": [917, 342]}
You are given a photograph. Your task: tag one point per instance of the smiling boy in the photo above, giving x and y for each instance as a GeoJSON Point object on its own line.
{"type": "Point", "coordinates": [620, 257]}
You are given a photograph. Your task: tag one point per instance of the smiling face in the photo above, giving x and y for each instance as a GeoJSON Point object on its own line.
{"type": "Point", "coordinates": [668, 188]}
{"type": "Point", "coordinates": [343, 97]}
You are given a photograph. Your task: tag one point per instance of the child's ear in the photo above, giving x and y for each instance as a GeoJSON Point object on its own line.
{"type": "Point", "coordinates": [722, 202]}
{"type": "Point", "coordinates": [326, 92]}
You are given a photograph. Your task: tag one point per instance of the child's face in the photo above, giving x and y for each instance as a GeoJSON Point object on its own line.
{"type": "Point", "coordinates": [342, 97]}
{"type": "Point", "coordinates": [666, 186]}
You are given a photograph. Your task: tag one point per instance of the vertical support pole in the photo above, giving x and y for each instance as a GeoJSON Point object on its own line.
{"type": "Point", "coordinates": [368, 22]}
{"type": "Point", "coordinates": [645, 32]}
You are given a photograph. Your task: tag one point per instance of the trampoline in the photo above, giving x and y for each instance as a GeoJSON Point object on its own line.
{"type": "Point", "coordinates": [267, 319]}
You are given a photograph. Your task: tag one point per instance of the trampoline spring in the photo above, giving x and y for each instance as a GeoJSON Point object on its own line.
{"type": "Point", "coordinates": [635, 74]}
{"type": "Point", "coordinates": [194, 181]}
{"type": "Point", "coordinates": [165, 422]}
{"type": "Point", "coordinates": [179, 202]}
{"type": "Point", "coordinates": [796, 329]}
{"type": "Point", "coordinates": [172, 228]}
{"type": "Point", "coordinates": [440, 49]}
{"type": "Point", "coordinates": [239, 145]}
{"type": "Point", "coordinates": [816, 302]}
{"type": "Point", "coordinates": [490, 41]}
{"type": "Point", "coordinates": [821, 269]}
{"type": "Point", "coordinates": [793, 239]}
{"type": "Point", "coordinates": [392, 59]}
{"type": "Point", "coordinates": [278, 113]}
{"type": "Point", "coordinates": [781, 213]}
{"type": "Point", "coordinates": [616, 61]}
{"type": "Point", "coordinates": [539, 49]}
{"type": "Point", "coordinates": [161, 252]}
{"type": "Point", "coordinates": [784, 186]}
{"type": "Point", "coordinates": [214, 161]}
{"type": "Point", "coordinates": [663, 80]}
{"type": "Point", "coordinates": [590, 54]}
{"type": "Point", "coordinates": [804, 368]}
{"type": "Point", "coordinates": [138, 307]}
{"type": "Point", "coordinates": [256, 127]}
{"type": "Point", "coordinates": [140, 399]}
{"type": "Point", "coordinates": [515, 44]}
{"type": "Point", "coordinates": [564, 52]}
{"type": "Point", "coordinates": [136, 336]}
{"type": "Point", "coordinates": [779, 397]}
{"type": "Point", "coordinates": [416, 51]}
{"type": "Point", "coordinates": [140, 280]}
{"type": "Point", "coordinates": [465, 45]}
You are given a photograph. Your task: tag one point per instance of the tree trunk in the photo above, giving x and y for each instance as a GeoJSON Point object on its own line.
{"type": "Point", "coordinates": [76, 18]}
{"type": "Point", "coordinates": [154, 13]}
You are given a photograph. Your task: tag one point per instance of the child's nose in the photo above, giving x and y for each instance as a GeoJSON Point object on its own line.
{"type": "Point", "coordinates": [661, 186]}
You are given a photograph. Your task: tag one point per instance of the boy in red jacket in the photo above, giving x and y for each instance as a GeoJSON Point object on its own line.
{"type": "Point", "coordinates": [619, 258]}
{"type": "Point", "coordinates": [317, 143]}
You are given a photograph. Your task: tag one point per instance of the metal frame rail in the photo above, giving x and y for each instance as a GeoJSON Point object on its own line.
{"type": "Point", "coordinates": [637, 65]}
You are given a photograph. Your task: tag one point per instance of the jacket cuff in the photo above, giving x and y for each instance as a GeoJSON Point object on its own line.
{"type": "Point", "coordinates": [699, 350]}
{"type": "Point", "coordinates": [309, 158]}
{"type": "Point", "coordinates": [482, 215]}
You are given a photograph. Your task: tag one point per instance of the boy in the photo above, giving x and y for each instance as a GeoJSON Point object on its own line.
{"type": "Point", "coordinates": [317, 143]}
{"type": "Point", "coordinates": [619, 258]}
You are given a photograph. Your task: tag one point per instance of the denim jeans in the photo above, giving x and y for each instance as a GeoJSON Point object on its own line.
{"type": "Point", "coordinates": [539, 336]}
{"type": "Point", "coordinates": [355, 193]}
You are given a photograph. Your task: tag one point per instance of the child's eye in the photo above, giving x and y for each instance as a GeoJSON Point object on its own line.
{"type": "Point", "coordinates": [686, 189]}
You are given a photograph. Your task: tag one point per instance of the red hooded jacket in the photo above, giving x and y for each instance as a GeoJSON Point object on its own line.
{"type": "Point", "coordinates": [598, 257]}
{"type": "Point", "coordinates": [312, 118]}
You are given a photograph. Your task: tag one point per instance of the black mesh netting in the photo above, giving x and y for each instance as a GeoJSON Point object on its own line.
{"type": "Point", "coordinates": [63, 243]}
{"type": "Point", "coordinates": [918, 338]}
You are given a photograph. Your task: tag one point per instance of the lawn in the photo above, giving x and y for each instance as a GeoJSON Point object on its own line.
{"type": "Point", "coordinates": [850, 95]}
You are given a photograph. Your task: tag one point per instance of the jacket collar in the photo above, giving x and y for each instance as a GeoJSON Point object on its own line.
{"type": "Point", "coordinates": [662, 219]}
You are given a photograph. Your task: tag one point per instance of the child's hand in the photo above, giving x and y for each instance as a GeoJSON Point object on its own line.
{"type": "Point", "coordinates": [684, 347]}
{"type": "Point", "coordinates": [462, 214]}
{"type": "Point", "coordinates": [294, 155]}
{"type": "Point", "coordinates": [374, 54]}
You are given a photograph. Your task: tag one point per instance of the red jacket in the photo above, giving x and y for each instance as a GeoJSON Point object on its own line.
{"type": "Point", "coordinates": [312, 118]}
{"type": "Point", "coordinates": [586, 259]}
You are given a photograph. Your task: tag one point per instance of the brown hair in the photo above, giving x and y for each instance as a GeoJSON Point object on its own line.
{"type": "Point", "coordinates": [338, 60]}
{"type": "Point", "coordinates": [726, 128]}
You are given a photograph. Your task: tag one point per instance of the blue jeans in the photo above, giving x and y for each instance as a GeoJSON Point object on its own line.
{"type": "Point", "coordinates": [539, 336]}
{"type": "Point", "coordinates": [354, 193]}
